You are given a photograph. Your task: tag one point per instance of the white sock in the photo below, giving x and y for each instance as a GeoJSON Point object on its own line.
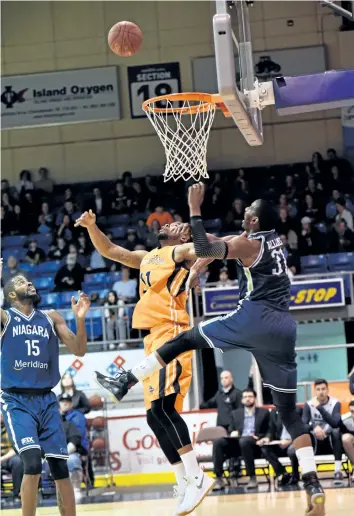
{"type": "Point", "coordinates": [190, 463]}
{"type": "Point", "coordinates": [180, 473]}
{"type": "Point", "coordinates": [149, 365]}
{"type": "Point", "coordinates": [306, 458]}
{"type": "Point", "coordinates": [337, 465]}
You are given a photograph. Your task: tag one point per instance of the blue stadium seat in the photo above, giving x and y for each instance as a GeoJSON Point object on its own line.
{"type": "Point", "coordinates": [212, 225]}
{"type": "Point", "coordinates": [341, 262]}
{"type": "Point", "coordinates": [43, 239]}
{"type": "Point", "coordinates": [314, 263]}
{"type": "Point", "coordinates": [28, 268]}
{"type": "Point", "coordinates": [50, 299]}
{"type": "Point", "coordinates": [13, 241]}
{"type": "Point", "coordinates": [44, 283]}
{"type": "Point", "coordinates": [112, 277]}
{"type": "Point", "coordinates": [17, 252]}
{"type": "Point", "coordinates": [47, 267]}
{"type": "Point", "coordinates": [116, 220]}
{"type": "Point", "coordinates": [65, 298]}
{"type": "Point", "coordinates": [119, 232]}
{"type": "Point", "coordinates": [94, 324]}
{"type": "Point", "coordinates": [95, 279]}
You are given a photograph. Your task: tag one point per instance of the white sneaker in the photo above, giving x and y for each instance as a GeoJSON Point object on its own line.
{"type": "Point", "coordinates": [178, 493]}
{"type": "Point", "coordinates": [196, 490]}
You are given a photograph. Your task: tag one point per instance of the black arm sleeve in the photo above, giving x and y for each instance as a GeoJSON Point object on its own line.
{"type": "Point", "coordinates": [332, 419]}
{"type": "Point", "coordinates": [204, 248]}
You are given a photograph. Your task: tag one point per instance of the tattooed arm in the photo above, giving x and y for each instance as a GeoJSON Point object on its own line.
{"type": "Point", "coordinates": [105, 247]}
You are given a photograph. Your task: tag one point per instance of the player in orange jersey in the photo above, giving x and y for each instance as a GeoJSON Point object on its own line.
{"type": "Point", "coordinates": [162, 311]}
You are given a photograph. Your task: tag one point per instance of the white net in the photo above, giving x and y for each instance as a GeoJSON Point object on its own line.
{"type": "Point", "coordinates": [184, 133]}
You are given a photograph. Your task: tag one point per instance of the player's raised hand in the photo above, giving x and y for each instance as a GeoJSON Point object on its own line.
{"type": "Point", "coordinates": [81, 307]}
{"type": "Point", "coordinates": [88, 218]}
{"type": "Point", "coordinates": [196, 195]}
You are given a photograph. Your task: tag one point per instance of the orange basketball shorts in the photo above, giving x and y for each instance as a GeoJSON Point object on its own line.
{"type": "Point", "coordinates": [176, 377]}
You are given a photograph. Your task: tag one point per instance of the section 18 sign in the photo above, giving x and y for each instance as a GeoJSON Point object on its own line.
{"type": "Point", "coordinates": [147, 81]}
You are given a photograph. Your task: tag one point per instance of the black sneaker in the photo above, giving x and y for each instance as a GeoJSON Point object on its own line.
{"type": "Point", "coordinates": [282, 480]}
{"type": "Point", "coordinates": [117, 386]}
{"type": "Point", "coordinates": [315, 495]}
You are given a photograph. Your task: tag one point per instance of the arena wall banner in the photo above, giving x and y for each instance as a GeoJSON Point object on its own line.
{"type": "Point", "coordinates": [147, 81]}
{"type": "Point", "coordinates": [304, 295]}
{"type": "Point", "coordinates": [268, 64]}
{"type": "Point", "coordinates": [64, 97]}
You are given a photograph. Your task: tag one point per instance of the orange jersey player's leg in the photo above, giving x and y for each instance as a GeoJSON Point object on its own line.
{"type": "Point", "coordinates": [173, 379]}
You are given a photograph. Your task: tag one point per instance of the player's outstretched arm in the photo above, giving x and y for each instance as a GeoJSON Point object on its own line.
{"type": "Point", "coordinates": [105, 247]}
{"type": "Point", "coordinates": [77, 344]}
{"type": "Point", "coordinates": [3, 314]}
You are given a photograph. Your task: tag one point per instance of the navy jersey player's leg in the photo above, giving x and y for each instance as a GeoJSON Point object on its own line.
{"type": "Point", "coordinates": [51, 432]}
{"type": "Point", "coordinates": [21, 421]}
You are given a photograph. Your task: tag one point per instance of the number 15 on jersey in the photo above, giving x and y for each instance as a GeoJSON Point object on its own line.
{"type": "Point", "coordinates": [149, 81]}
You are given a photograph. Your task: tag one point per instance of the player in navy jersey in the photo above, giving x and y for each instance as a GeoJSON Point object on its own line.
{"type": "Point", "coordinates": [29, 371]}
{"type": "Point", "coordinates": [261, 324]}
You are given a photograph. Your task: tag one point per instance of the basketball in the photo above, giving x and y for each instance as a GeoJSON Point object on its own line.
{"type": "Point", "coordinates": [125, 38]}
{"type": "Point", "coordinates": [96, 402]}
{"type": "Point", "coordinates": [98, 423]}
{"type": "Point", "coordinates": [98, 444]}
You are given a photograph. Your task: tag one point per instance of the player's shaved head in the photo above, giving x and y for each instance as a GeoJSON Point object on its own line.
{"type": "Point", "coordinates": [260, 216]}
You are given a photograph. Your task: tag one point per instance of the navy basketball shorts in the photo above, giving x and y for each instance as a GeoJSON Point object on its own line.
{"type": "Point", "coordinates": [269, 334]}
{"type": "Point", "coordinates": [34, 421]}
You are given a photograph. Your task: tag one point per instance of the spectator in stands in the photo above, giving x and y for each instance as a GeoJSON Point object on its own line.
{"type": "Point", "coordinates": [100, 206]}
{"type": "Point", "coordinates": [58, 250]}
{"type": "Point", "coordinates": [35, 254]}
{"type": "Point", "coordinates": [25, 182]}
{"type": "Point", "coordinates": [65, 229]}
{"type": "Point", "coordinates": [151, 191]}
{"type": "Point", "coordinates": [344, 214]}
{"type": "Point", "coordinates": [121, 203]}
{"type": "Point", "coordinates": [80, 258]}
{"type": "Point", "coordinates": [5, 186]}
{"type": "Point", "coordinates": [10, 461]}
{"type": "Point", "coordinates": [69, 276]}
{"type": "Point", "coordinates": [44, 183]}
{"type": "Point", "coordinates": [83, 246]}
{"type": "Point", "coordinates": [11, 270]}
{"type": "Point", "coordinates": [127, 178]}
{"type": "Point", "coordinates": [67, 210]}
{"type": "Point", "coordinates": [292, 256]}
{"type": "Point", "coordinates": [48, 216]}
{"type": "Point", "coordinates": [290, 207]}
{"type": "Point", "coordinates": [142, 230]}
{"type": "Point", "coordinates": [249, 425]}
{"type": "Point", "coordinates": [322, 414]}
{"type": "Point", "coordinates": [20, 222]}
{"type": "Point", "coordinates": [225, 400]}
{"type": "Point", "coordinates": [116, 319]}
{"type": "Point", "coordinates": [75, 416]}
{"type": "Point", "coordinates": [132, 240]}
{"type": "Point", "coordinates": [341, 238]}
{"type": "Point", "coordinates": [290, 188]}
{"type": "Point", "coordinates": [6, 202]}
{"type": "Point", "coordinates": [335, 182]}
{"type": "Point", "coordinates": [97, 262]}
{"type": "Point", "coordinates": [331, 206]}
{"type": "Point", "coordinates": [311, 210]}
{"type": "Point", "coordinates": [126, 288]}
{"type": "Point", "coordinates": [235, 216]}
{"type": "Point", "coordinates": [214, 203]}
{"type": "Point", "coordinates": [161, 216]}
{"type": "Point", "coordinates": [42, 225]}
{"type": "Point", "coordinates": [140, 198]}
{"type": "Point", "coordinates": [224, 281]}
{"type": "Point", "coordinates": [8, 222]}
{"type": "Point", "coordinates": [78, 398]}
{"type": "Point", "coordinates": [30, 211]}
{"type": "Point", "coordinates": [317, 163]}
{"type": "Point", "coordinates": [278, 432]}
{"type": "Point", "coordinates": [152, 239]}
{"type": "Point", "coordinates": [347, 428]}
{"type": "Point", "coordinates": [284, 223]}
{"type": "Point", "coordinates": [68, 195]}
{"type": "Point", "coordinates": [310, 239]}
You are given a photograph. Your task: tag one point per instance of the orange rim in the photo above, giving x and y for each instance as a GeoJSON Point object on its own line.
{"type": "Point", "coordinates": [205, 100]}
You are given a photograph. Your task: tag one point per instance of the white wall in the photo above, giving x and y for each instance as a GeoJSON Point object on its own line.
{"type": "Point", "coordinates": [45, 36]}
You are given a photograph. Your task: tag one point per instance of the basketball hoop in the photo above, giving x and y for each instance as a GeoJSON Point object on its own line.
{"type": "Point", "coordinates": [183, 122]}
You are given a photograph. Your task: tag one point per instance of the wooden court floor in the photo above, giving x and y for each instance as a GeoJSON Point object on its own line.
{"type": "Point", "coordinates": [340, 502]}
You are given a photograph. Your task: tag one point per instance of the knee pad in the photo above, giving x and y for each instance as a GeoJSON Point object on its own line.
{"type": "Point", "coordinates": [58, 468]}
{"type": "Point", "coordinates": [286, 405]}
{"type": "Point", "coordinates": [32, 461]}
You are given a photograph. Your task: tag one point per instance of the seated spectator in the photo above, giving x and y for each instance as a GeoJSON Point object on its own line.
{"type": "Point", "coordinates": [331, 206]}
{"type": "Point", "coordinates": [292, 257]}
{"type": "Point", "coordinates": [151, 191]}
{"type": "Point", "coordinates": [6, 202]}
{"type": "Point", "coordinates": [65, 229]}
{"type": "Point", "coordinates": [318, 165]}
{"type": "Point", "coordinates": [310, 239]}
{"type": "Point", "coordinates": [29, 208]}
{"type": "Point", "coordinates": [83, 245]}
{"type": "Point", "coordinates": [335, 181]}
{"type": "Point", "coordinates": [152, 238]}
{"type": "Point", "coordinates": [100, 205]}
{"type": "Point", "coordinates": [48, 216]}
{"type": "Point", "coordinates": [341, 238]}
{"type": "Point", "coordinates": [35, 254]}
{"type": "Point", "coordinates": [127, 178]}
{"type": "Point", "coordinates": [42, 225]}
{"type": "Point", "coordinates": [225, 401]}
{"type": "Point", "coordinates": [284, 223]}
{"type": "Point", "coordinates": [310, 210]}
{"type": "Point", "coordinates": [121, 202]}
{"type": "Point", "coordinates": [132, 240]}
{"type": "Point", "coordinates": [44, 183]}
{"type": "Point", "coordinates": [290, 188]}
{"type": "Point", "coordinates": [126, 288]}
{"type": "Point", "coordinates": [75, 441]}
{"type": "Point", "coordinates": [10, 460]}
{"type": "Point", "coordinates": [347, 429]}
{"type": "Point", "coordinates": [25, 182]}
{"type": "Point", "coordinates": [315, 189]}
{"type": "Point", "coordinates": [68, 210]}
{"type": "Point", "coordinates": [249, 425]}
{"type": "Point", "coordinates": [58, 250]}
{"type": "Point", "coordinates": [142, 230]}
{"type": "Point", "coordinates": [8, 222]}
{"type": "Point", "coordinates": [140, 198]}
{"type": "Point", "coordinates": [97, 262]}
{"type": "Point", "coordinates": [278, 432]}
{"type": "Point", "coordinates": [321, 414]}
{"type": "Point", "coordinates": [235, 216]}
{"type": "Point", "coordinates": [161, 216]}
{"type": "Point", "coordinates": [69, 276]}
{"type": "Point", "coordinates": [78, 398]}
{"type": "Point", "coordinates": [11, 270]}
{"type": "Point", "coordinates": [116, 320]}
{"type": "Point", "coordinates": [69, 196]}
{"type": "Point", "coordinates": [290, 207]}
{"type": "Point", "coordinates": [20, 222]}
{"type": "Point", "coordinates": [5, 186]}
{"type": "Point", "coordinates": [224, 281]}
{"type": "Point", "coordinates": [344, 214]}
